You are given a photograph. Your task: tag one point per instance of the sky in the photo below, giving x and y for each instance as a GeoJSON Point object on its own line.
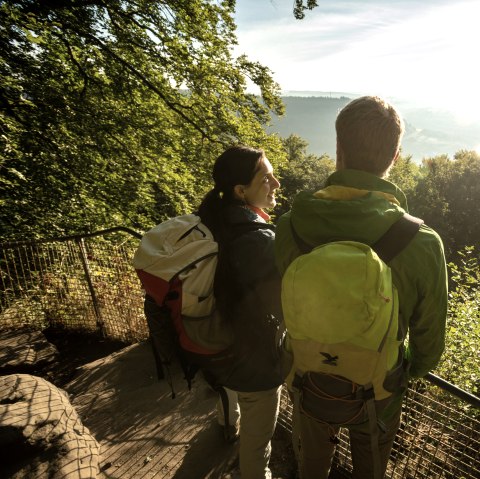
{"type": "Point", "coordinates": [423, 52]}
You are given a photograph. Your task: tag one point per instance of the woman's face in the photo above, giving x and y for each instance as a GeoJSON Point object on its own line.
{"type": "Point", "coordinates": [261, 190]}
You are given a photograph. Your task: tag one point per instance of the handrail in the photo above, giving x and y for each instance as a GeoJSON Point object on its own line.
{"type": "Point", "coordinates": [78, 236]}
{"type": "Point", "coordinates": [456, 391]}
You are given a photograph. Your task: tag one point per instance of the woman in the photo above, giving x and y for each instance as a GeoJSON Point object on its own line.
{"type": "Point", "coordinates": [247, 292]}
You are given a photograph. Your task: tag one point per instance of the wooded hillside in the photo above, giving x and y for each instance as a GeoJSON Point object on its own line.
{"type": "Point", "coordinates": [428, 132]}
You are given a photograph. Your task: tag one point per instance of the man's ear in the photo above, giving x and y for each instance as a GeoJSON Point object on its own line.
{"type": "Point", "coordinates": [396, 157]}
{"type": "Point", "coordinates": [239, 192]}
{"type": "Point", "coordinates": [390, 166]}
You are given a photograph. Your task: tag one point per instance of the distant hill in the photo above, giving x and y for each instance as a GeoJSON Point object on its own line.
{"type": "Point", "coordinates": [428, 132]}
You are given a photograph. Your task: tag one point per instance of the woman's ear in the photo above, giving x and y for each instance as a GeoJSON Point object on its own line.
{"type": "Point", "coordinates": [239, 192]}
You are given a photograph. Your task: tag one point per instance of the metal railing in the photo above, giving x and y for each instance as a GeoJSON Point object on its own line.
{"type": "Point", "coordinates": [77, 283]}
{"type": "Point", "coordinates": [439, 436]}
{"type": "Point", "coordinates": [87, 283]}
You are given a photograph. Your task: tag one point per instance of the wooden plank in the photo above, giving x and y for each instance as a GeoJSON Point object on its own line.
{"type": "Point", "coordinates": [143, 432]}
{"type": "Point", "coordinates": [25, 351]}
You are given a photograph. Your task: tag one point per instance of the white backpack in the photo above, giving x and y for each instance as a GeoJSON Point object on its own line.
{"type": "Point", "coordinates": [181, 250]}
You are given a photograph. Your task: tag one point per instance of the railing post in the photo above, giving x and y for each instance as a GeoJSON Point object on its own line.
{"type": "Point", "coordinates": [86, 269]}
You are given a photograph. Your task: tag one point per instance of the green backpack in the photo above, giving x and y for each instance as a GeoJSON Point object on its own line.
{"type": "Point", "coordinates": [341, 312]}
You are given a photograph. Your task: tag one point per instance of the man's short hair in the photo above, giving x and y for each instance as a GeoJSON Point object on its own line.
{"type": "Point", "coordinates": [369, 131]}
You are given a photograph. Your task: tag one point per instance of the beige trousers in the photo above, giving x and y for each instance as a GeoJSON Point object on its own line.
{"type": "Point", "coordinates": [258, 417]}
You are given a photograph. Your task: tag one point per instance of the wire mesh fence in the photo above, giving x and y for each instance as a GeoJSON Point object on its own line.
{"type": "Point", "coordinates": [87, 283]}
{"type": "Point", "coordinates": [77, 284]}
{"type": "Point", "coordinates": [439, 436]}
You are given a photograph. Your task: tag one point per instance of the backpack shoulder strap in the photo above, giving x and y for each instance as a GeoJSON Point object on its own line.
{"type": "Point", "coordinates": [303, 246]}
{"type": "Point", "coordinates": [397, 237]}
{"type": "Point", "coordinates": [388, 246]}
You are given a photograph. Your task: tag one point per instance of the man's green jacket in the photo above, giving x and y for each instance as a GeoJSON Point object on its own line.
{"type": "Point", "coordinates": [359, 206]}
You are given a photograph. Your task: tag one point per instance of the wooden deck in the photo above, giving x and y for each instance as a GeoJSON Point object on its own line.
{"type": "Point", "coordinates": [143, 432]}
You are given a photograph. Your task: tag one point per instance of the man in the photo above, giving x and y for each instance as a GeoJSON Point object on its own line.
{"type": "Point", "coordinates": [359, 204]}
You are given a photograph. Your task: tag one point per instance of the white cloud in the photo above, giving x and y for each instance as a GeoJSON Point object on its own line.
{"type": "Point", "coordinates": [423, 51]}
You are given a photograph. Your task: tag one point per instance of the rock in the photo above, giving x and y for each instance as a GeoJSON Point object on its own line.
{"type": "Point", "coordinates": [37, 419]}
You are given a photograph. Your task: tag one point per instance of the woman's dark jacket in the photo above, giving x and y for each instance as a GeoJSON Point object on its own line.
{"type": "Point", "coordinates": [247, 290]}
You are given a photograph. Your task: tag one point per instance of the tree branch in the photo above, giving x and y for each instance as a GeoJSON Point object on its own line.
{"type": "Point", "coordinates": [150, 85]}
{"type": "Point", "coordinates": [86, 78]}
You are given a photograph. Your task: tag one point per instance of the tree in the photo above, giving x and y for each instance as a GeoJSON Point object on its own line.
{"type": "Point", "coordinates": [405, 173]}
{"type": "Point", "coordinates": [463, 324]}
{"type": "Point", "coordinates": [113, 111]}
{"type": "Point", "coordinates": [447, 198]}
{"type": "Point", "coordinates": [300, 6]}
{"type": "Point", "coordinates": [302, 171]}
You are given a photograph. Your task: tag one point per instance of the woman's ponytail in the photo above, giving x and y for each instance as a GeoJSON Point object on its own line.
{"type": "Point", "coordinates": [211, 211]}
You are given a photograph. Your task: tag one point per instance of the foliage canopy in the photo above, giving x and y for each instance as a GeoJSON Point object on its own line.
{"type": "Point", "coordinates": [300, 6]}
{"type": "Point", "coordinates": [460, 362]}
{"type": "Point", "coordinates": [112, 111]}
{"type": "Point", "coordinates": [302, 171]}
{"type": "Point", "coordinates": [446, 194]}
